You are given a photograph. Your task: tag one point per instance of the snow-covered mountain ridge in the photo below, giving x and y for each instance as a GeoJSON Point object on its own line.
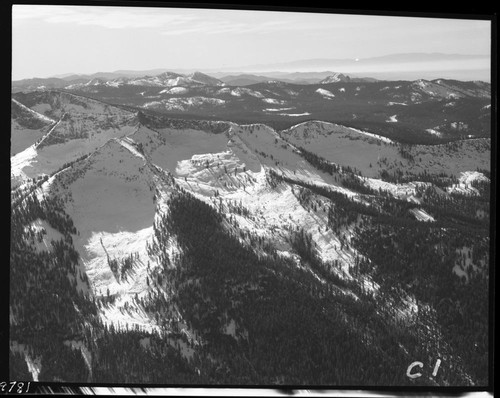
{"type": "Point", "coordinates": [166, 79]}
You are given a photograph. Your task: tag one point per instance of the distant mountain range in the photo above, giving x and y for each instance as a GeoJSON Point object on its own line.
{"type": "Point", "coordinates": [411, 66]}
{"type": "Point", "coordinates": [170, 79]}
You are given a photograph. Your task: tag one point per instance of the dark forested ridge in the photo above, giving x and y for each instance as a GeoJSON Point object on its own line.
{"type": "Point", "coordinates": [46, 306]}
{"type": "Point", "coordinates": [278, 312]}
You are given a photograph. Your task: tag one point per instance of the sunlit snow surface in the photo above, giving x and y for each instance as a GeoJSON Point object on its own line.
{"type": "Point", "coordinates": [465, 181]}
{"type": "Point", "coordinates": [325, 93]}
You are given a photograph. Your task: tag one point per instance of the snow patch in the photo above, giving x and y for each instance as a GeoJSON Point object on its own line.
{"type": "Point", "coordinates": [277, 109]}
{"type": "Point", "coordinates": [434, 132]}
{"type": "Point", "coordinates": [295, 114]}
{"type": "Point", "coordinates": [47, 233]}
{"type": "Point", "coordinates": [273, 101]}
{"type": "Point", "coordinates": [421, 215]}
{"type": "Point", "coordinates": [34, 364]}
{"type": "Point", "coordinates": [396, 103]}
{"type": "Point", "coordinates": [401, 191]}
{"type": "Point", "coordinates": [325, 93]}
{"type": "Point", "coordinates": [174, 90]}
{"type": "Point", "coordinates": [239, 91]}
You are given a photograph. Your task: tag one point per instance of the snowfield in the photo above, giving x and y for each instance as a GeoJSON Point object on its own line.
{"type": "Point", "coordinates": [422, 215]}
{"type": "Point", "coordinates": [26, 127]}
{"type": "Point", "coordinates": [338, 144]}
{"type": "Point", "coordinates": [277, 109]}
{"type": "Point", "coordinates": [183, 103]}
{"type": "Point", "coordinates": [240, 91]}
{"type": "Point", "coordinates": [295, 114]}
{"type": "Point", "coordinates": [174, 90]}
{"type": "Point", "coordinates": [370, 153]}
{"type": "Point", "coordinates": [273, 101]}
{"type": "Point", "coordinates": [434, 132]}
{"type": "Point", "coordinates": [325, 93]}
{"type": "Point", "coordinates": [166, 147]}
{"type": "Point", "coordinates": [22, 138]}
{"type": "Point", "coordinates": [401, 191]}
{"type": "Point", "coordinates": [58, 147]}
{"type": "Point", "coordinates": [396, 103]}
{"type": "Point", "coordinates": [83, 125]}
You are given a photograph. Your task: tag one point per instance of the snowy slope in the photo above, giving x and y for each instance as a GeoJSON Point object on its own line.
{"type": "Point", "coordinates": [465, 181]}
{"type": "Point", "coordinates": [167, 147]}
{"type": "Point", "coordinates": [236, 173]}
{"type": "Point", "coordinates": [114, 196]}
{"type": "Point", "coordinates": [54, 104]}
{"type": "Point", "coordinates": [110, 199]}
{"type": "Point", "coordinates": [27, 126]}
{"type": "Point", "coordinates": [335, 78]}
{"type": "Point", "coordinates": [342, 145]}
{"type": "Point", "coordinates": [75, 134]}
{"type": "Point", "coordinates": [174, 90]}
{"type": "Point", "coordinates": [234, 165]}
{"type": "Point", "coordinates": [370, 154]}
{"type": "Point", "coordinates": [450, 89]}
{"type": "Point", "coordinates": [434, 89]}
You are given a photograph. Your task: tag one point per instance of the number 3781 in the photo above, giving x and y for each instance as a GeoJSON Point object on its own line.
{"type": "Point", "coordinates": [18, 387]}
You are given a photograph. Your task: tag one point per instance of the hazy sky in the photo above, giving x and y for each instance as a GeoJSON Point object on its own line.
{"type": "Point", "coordinates": [51, 40]}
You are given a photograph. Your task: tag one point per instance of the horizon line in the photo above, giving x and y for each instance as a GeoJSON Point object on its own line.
{"type": "Point", "coordinates": [241, 68]}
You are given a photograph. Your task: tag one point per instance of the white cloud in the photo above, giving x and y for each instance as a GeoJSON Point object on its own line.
{"type": "Point", "coordinates": [106, 17]}
{"type": "Point", "coordinates": [222, 27]}
{"type": "Point", "coordinates": [168, 21]}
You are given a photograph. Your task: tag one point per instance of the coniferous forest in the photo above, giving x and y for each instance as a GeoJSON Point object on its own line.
{"type": "Point", "coordinates": [288, 327]}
